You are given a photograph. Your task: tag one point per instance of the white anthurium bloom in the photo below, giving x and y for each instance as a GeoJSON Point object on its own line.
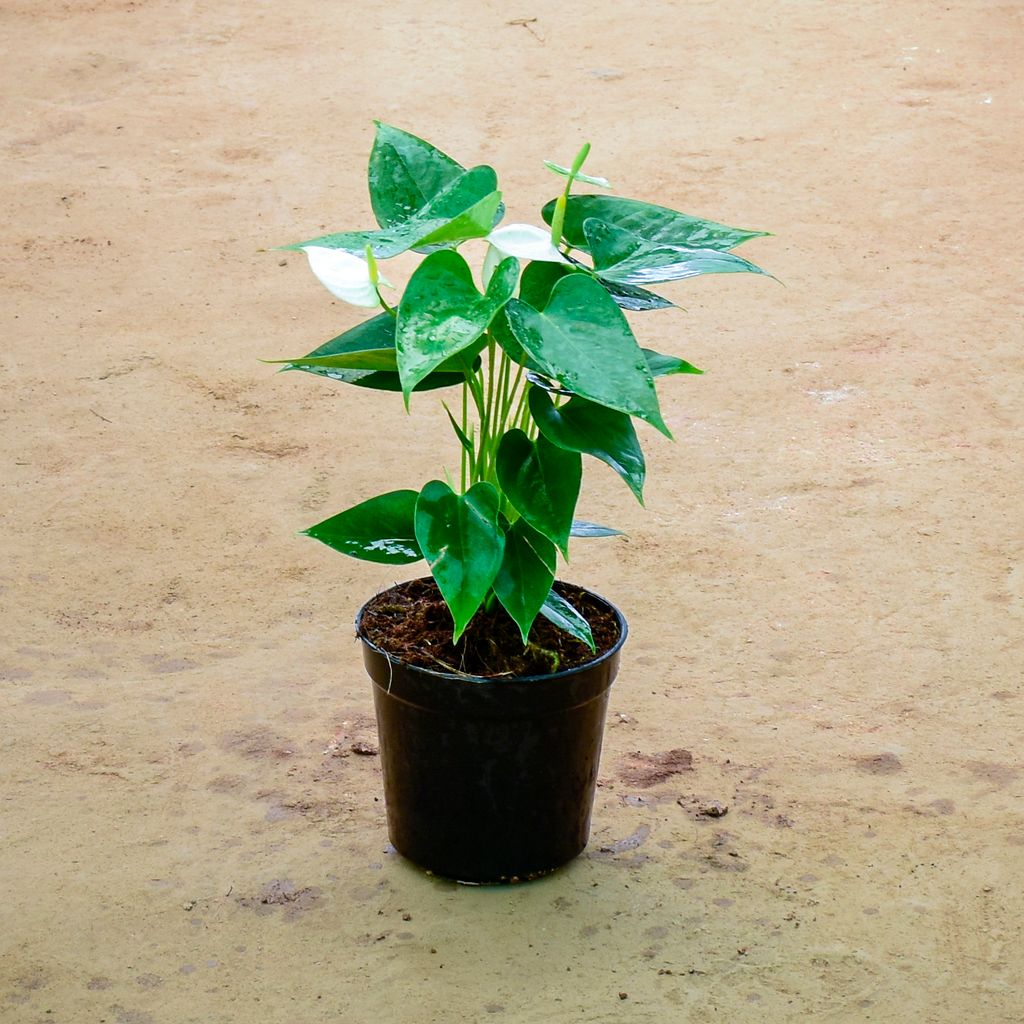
{"type": "Point", "coordinates": [345, 276]}
{"type": "Point", "coordinates": [524, 241]}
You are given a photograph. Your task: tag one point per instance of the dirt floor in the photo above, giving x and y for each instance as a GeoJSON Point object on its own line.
{"type": "Point", "coordinates": [825, 591]}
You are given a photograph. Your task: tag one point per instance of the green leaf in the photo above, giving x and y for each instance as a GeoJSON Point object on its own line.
{"type": "Point", "coordinates": [624, 257]}
{"type": "Point", "coordinates": [566, 172]}
{"type": "Point", "coordinates": [405, 174]}
{"type": "Point", "coordinates": [464, 440]}
{"type": "Point", "coordinates": [581, 528]}
{"type": "Point", "coordinates": [351, 357]}
{"type": "Point", "coordinates": [538, 280]}
{"type": "Point", "coordinates": [381, 380]}
{"type": "Point", "coordinates": [582, 426]}
{"type": "Point", "coordinates": [542, 482]}
{"type": "Point", "coordinates": [664, 366]}
{"type": "Point", "coordinates": [474, 222]}
{"type": "Point", "coordinates": [467, 208]}
{"type": "Point", "coordinates": [557, 610]}
{"type": "Point", "coordinates": [653, 223]}
{"type": "Point", "coordinates": [635, 299]}
{"type": "Point", "coordinates": [582, 341]}
{"type": "Point", "coordinates": [527, 572]}
{"type": "Point", "coordinates": [625, 296]}
{"type": "Point", "coordinates": [378, 530]}
{"type": "Point", "coordinates": [442, 313]}
{"type": "Point", "coordinates": [504, 336]}
{"type": "Point", "coordinates": [463, 542]}
{"type": "Point", "coordinates": [367, 346]}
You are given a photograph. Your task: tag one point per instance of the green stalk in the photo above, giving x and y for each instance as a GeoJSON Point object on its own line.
{"type": "Point", "coordinates": [465, 430]}
{"type": "Point", "coordinates": [558, 217]}
{"type": "Point", "coordinates": [371, 263]}
{"type": "Point", "coordinates": [476, 391]}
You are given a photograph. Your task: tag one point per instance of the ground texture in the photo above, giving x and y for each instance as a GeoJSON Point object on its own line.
{"type": "Point", "coordinates": [811, 793]}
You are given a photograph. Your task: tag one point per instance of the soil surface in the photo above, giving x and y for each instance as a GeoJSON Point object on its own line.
{"type": "Point", "coordinates": [811, 791]}
{"type": "Point", "coordinates": [411, 622]}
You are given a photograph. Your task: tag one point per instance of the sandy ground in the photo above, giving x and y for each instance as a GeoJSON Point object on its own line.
{"type": "Point", "coordinates": [825, 591]}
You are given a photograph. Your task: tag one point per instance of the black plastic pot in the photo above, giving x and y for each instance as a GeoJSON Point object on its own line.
{"type": "Point", "coordinates": [490, 780]}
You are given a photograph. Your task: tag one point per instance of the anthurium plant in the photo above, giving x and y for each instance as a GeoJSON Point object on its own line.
{"type": "Point", "coordinates": [543, 363]}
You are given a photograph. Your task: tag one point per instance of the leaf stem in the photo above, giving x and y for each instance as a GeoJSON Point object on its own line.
{"type": "Point", "coordinates": [558, 217]}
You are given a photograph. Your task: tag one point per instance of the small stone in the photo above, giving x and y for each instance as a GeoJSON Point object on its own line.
{"type": "Point", "coordinates": [623, 995]}
{"type": "Point", "coordinates": [713, 810]}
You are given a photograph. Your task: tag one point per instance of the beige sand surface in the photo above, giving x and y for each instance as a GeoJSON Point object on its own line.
{"type": "Point", "coordinates": [825, 590]}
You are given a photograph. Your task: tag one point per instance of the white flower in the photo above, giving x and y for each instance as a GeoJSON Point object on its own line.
{"type": "Point", "coordinates": [524, 241]}
{"type": "Point", "coordinates": [345, 276]}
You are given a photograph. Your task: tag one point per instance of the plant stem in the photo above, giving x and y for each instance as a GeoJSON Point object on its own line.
{"type": "Point", "coordinates": [465, 430]}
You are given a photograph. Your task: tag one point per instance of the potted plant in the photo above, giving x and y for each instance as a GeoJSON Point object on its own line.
{"type": "Point", "coordinates": [490, 678]}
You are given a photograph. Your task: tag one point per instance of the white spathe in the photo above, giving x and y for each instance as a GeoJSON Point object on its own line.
{"type": "Point", "coordinates": [524, 241]}
{"type": "Point", "coordinates": [345, 276]}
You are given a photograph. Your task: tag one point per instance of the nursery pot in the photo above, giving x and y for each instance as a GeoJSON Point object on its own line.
{"type": "Point", "coordinates": [490, 779]}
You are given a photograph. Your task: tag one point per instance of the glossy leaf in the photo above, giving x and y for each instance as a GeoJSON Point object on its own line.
{"type": "Point", "coordinates": [442, 313]}
{"type": "Point", "coordinates": [581, 528]}
{"type": "Point", "coordinates": [542, 482]}
{"type": "Point", "coordinates": [636, 300]}
{"type": "Point", "coordinates": [405, 174]}
{"type": "Point", "coordinates": [378, 530]}
{"type": "Point", "coordinates": [538, 280]}
{"type": "Point", "coordinates": [467, 208]}
{"type": "Point", "coordinates": [624, 257]}
{"type": "Point", "coordinates": [557, 610]}
{"type": "Point", "coordinates": [381, 380]}
{"type": "Point", "coordinates": [367, 346]}
{"type": "Point", "coordinates": [665, 366]}
{"type": "Point", "coordinates": [626, 296]}
{"type": "Point", "coordinates": [463, 542]}
{"type": "Point", "coordinates": [527, 572]}
{"type": "Point", "coordinates": [474, 222]}
{"type": "Point", "coordinates": [653, 223]}
{"type": "Point", "coordinates": [582, 341]}
{"type": "Point", "coordinates": [349, 359]}
{"type": "Point", "coordinates": [582, 426]}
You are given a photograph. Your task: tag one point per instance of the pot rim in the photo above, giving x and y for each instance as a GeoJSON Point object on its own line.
{"type": "Point", "coordinates": [500, 680]}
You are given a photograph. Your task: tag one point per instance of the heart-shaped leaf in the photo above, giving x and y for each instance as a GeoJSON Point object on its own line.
{"type": "Point", "coordinates": [467, 208]}
{"type": "Point", "coordinates": [542, 482]}
{"type": "Point", "coordinates": [557, 610]}
{"type": "Point", "coordinates": [653, 223]}
{"type": "Point", "coordinates": [378, 530]}
{"type": "Point", "coordinates": [624, 257]}
{"type": "Point", "coordinates": [582, 341]}
{"type": "Point", "coordinates": [442, 313]}
{"type": "Point", "coordinates": [463, 542]}
{"type": "Point", "coordinates": [582, 426]}
{"type": "Point", "coordinates": [405, 174]}
{"type": "Point", "coordinates": [527, 572]}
